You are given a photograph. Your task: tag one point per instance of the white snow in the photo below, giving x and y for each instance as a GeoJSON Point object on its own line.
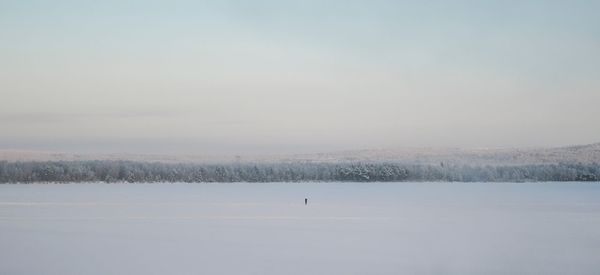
{"type": "Point", "coordinates": [265, 228]}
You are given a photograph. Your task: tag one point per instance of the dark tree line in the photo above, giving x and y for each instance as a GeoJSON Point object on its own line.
{"type": "Point", "coordinates": [128, 171]}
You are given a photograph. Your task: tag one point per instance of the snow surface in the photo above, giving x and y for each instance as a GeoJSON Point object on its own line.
{"type": "Point", "coordinates": [265, 228]}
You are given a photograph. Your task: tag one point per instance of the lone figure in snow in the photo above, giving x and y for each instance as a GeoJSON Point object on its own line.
{"type": "Point", "coordinates": [305, 201]}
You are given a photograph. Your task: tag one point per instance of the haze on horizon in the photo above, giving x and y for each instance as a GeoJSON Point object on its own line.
{"type": "Point", "coordinates": [297, 76]}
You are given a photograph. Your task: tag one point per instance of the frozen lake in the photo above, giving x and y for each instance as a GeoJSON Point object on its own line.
{"type": "Point", "coordinates": [265, 228]}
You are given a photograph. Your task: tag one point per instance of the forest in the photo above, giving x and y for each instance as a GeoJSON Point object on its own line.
{"type": "Point", "coordinates": [109, 171]}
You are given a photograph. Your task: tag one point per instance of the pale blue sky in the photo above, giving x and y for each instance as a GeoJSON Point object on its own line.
{"type": "Point", "coordinates": [301, 76]}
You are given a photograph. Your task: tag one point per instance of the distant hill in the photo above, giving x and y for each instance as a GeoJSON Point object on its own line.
{"type": "Point", "coordinates": [586, 154]}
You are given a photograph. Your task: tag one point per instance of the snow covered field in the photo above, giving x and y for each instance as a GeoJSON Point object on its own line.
{"type": "Point", "coordinates": [265, 228]}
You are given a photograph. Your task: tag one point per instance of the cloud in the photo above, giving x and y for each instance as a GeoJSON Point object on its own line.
{"type": "Point", "coordinates": [66, 117]}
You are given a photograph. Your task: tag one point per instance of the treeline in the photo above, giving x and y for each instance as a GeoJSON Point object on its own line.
{"type": "Point", "coordinates": [128, 171]}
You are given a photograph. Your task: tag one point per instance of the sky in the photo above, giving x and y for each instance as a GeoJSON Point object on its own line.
{"type": "Point", "coordinates": [229, 77]}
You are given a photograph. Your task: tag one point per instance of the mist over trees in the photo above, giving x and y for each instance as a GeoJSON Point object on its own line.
{"type": "Point", "coordinates": [130, 171]}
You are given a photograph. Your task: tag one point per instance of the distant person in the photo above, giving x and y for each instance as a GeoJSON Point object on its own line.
{"type": "Point", "coordinates": [305, 201]}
